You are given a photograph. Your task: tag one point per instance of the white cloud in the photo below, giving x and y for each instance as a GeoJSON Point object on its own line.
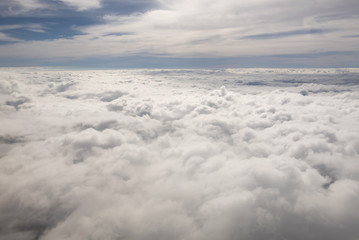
{"type": "Point", "coordinates": [30, 27]}
{"type": "Point", "coordinates": [27, 7]}
{"type": "Point", "coordinates": [17, 7]}
{"type": "Point", "coordinates": [6, 37]}
{"type": "Point", "coordinates": [151, 154]}
{"type": "Point", "coordinates": [83, 5]}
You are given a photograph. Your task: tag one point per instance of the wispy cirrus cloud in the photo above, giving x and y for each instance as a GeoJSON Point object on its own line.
{"type": "Point", "coordinates": [29, 27]}
{"type": "Point", "coordinates": [6, 38]}
{"type": "Point", "coordinates": [34, 7]}
{"type": "Point", "coordinates": [17, 7]}
{"type": "Point", "coordinates": [287, 34]}
{"type": "Point", "coordinates": [83, 5]}
{"type": "Point", "coordinates": [11, 33]}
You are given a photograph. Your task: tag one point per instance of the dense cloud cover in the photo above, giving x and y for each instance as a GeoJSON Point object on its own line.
{"type": "Point", "coordinates": [179, 154]}
{"type": "Point", "coordinates": [171, 33]}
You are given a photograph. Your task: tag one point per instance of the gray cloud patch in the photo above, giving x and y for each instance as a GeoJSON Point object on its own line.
{"type": "Point", "coordinates": [11, 139]}
{"type": "Point", "coordinates": [17, 102]}
{"type": "Point", "coordinates": [110, 96]}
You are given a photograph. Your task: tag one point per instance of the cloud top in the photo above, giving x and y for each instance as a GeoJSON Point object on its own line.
{"type": "Point", "coordinates": [179, 154]}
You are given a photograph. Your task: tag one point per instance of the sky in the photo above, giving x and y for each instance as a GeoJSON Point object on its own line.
{"type": "Point", "coordinates": [179, 33]}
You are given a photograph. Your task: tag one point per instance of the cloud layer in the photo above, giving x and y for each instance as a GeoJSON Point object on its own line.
{"type": "Point", "coordinates": [179, 154]}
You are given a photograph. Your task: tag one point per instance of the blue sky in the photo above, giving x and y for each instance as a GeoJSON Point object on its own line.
{"type": "Point", "coordinates": [179, 33]}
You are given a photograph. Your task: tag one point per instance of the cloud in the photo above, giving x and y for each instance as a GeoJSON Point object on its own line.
{"type": "Point", "coordinates": [7, 38]}
{"type": "Point", "coordinates": [6, 35]}
{"type": "Point", "coordinates": [29, 27]}
{"type": "Point", "coordinates": [29, 7]}
{"type": "Point", "coordinates": [83, 5]}
{"type": "Point", "coordinates": [110, 96]}
{"type": "Point", "coordinates": [286, 34]}
{"type": "Point", "coordinates": [16, 7]}
{"type": "Point", "coordinates": [175, 154]}
{"type": "Point", "coordinates": [17, 102]}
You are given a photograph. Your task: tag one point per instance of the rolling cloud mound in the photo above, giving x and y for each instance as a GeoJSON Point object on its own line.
{"type": "Point", "coordinates": [179, 154]}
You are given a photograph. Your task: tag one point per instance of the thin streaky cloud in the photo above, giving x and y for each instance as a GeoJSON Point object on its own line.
{"type": "Point", "coordinates": [288, 34]}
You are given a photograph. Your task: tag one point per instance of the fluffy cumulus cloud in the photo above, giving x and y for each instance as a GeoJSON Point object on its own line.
{"type": "Point", "coordinates": [179, 154]}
